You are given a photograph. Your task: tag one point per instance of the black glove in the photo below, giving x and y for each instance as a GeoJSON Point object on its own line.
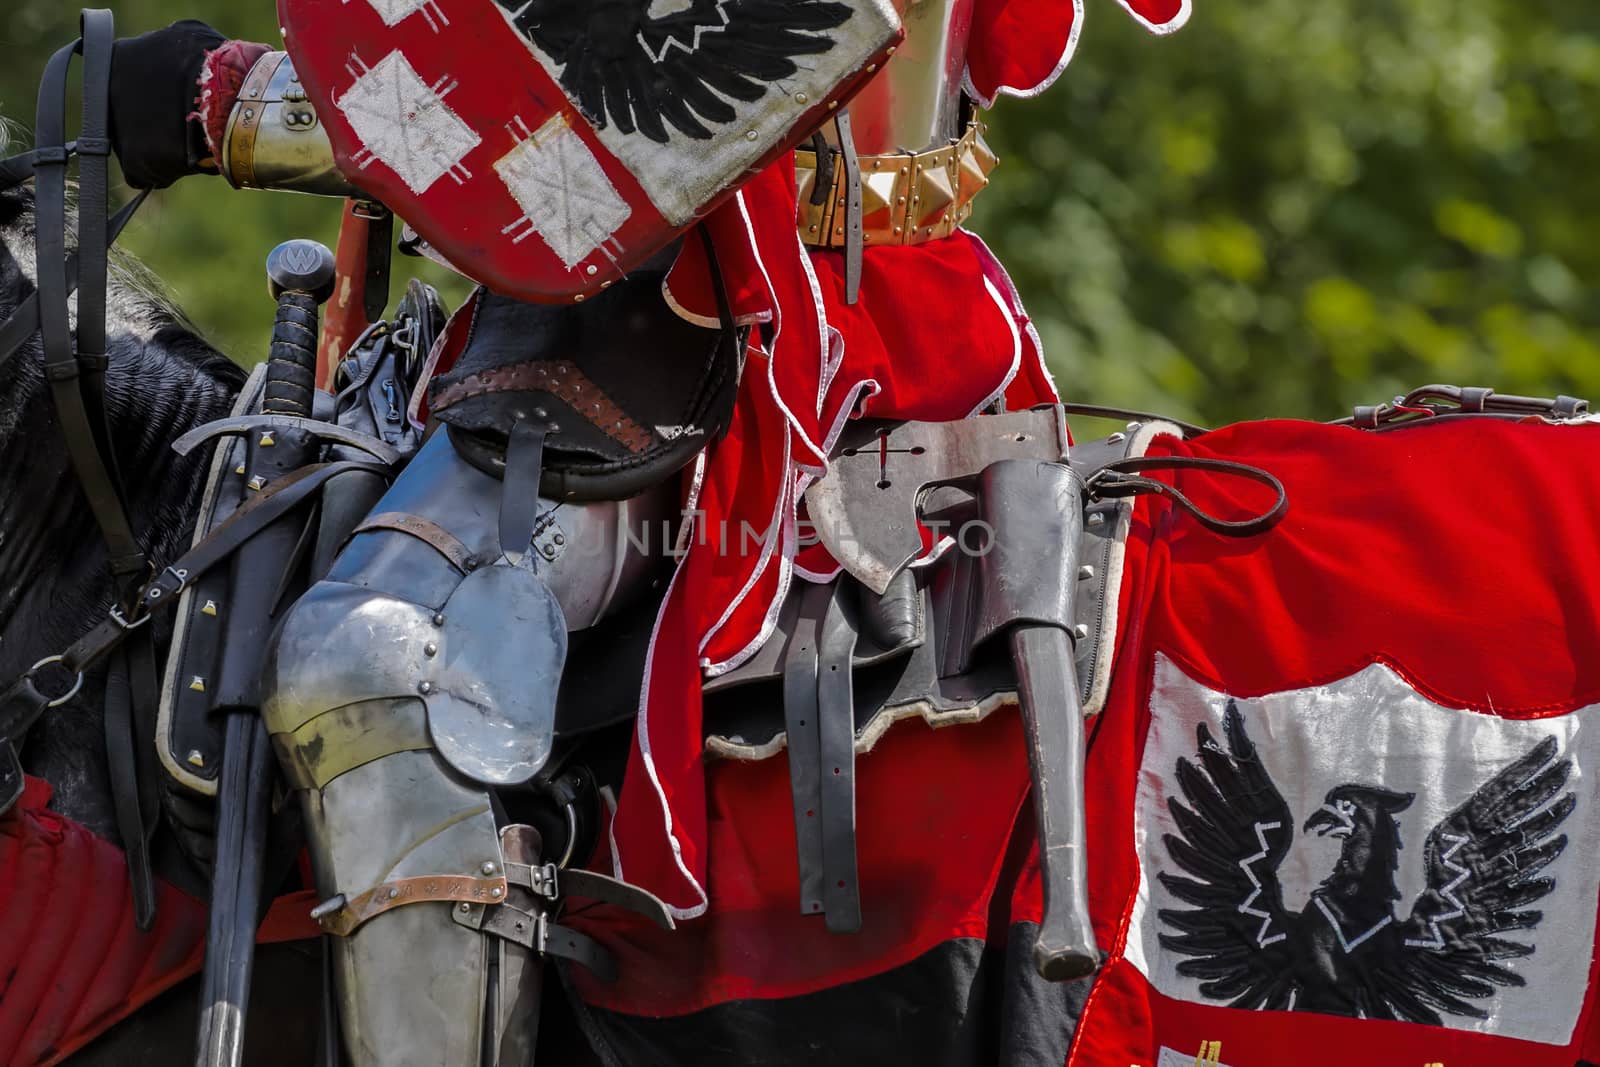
{"type": "Point", "coordinates": [154, 81]}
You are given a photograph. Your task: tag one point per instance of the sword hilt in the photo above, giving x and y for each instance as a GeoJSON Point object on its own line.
{"type": "Point", "coordinates": [300, 275]}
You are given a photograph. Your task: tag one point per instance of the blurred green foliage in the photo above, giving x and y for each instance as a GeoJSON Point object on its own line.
{"type": "Point", "coordinates": [1286, 209]}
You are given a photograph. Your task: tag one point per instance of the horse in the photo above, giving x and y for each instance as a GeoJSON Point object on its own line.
{"type": "Point", "coordinates": [55, 579]}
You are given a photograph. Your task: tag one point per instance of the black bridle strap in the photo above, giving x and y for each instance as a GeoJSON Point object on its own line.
{"type": "Point", "coordinates": [82, 423]}
{"type": "Point", "coordinates": [94, 203]}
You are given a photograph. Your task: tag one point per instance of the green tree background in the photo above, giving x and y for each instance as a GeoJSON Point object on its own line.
{"type": "Point", "coordinates": [1286, 209]}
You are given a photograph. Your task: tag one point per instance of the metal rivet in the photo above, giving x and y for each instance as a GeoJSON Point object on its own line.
{"type": "Point", "coordinates": [464, 907]}
{"type": "Point", "coordinates": [487, 868]}
{"type": "Point", "coordinates": [578, 299]}
{"type": "Point", "coordinates": [559, 538]}
{"type": "Point", "coordinates": [196, 757]}
{"type": "Point", "coordinates": [1117, 438]}
{"type": "Point", "coordinates": [438, 620]}
{"type": "Point", "coordinates": [495, 892]}
{"type": "Point", "coordinates": [1080, 631]}
{"type": "Point", "coordinates": [1085, 573]}
{"type": "Point", "coordinates": [832, 104]}
{"type": "Point", "coordinates": [1096, 518]}
{"type": "Point", "coordinates": [593, 270]}
{"type": "Point", "coordinates": [1133, 427]}
{"type": "Point", "coordinates": [249, 113]}
{"type": "Point", "coordinates": [871, 67]}
{"type": "Point", "coordinates": [751, 135]}
{"type": "Point", "coordinates": [801, 98]}
{"type": "Point", "coordinates": [431, 649]}
{"type": "Point", "coordinates": [424, 688]}
{"type": "Point", "coordinates": [393, 892]}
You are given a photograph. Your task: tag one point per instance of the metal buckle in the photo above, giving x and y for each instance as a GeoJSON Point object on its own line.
{"type": "Point", "coordinates": [1432, 401]}
{"type": "Point", "coordinates": [122, 620]}
{"type": "Point", "coordinates": [64, 697]}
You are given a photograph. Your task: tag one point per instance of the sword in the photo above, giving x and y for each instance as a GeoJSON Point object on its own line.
{"type": "Point", "coordinates": [299, 277]}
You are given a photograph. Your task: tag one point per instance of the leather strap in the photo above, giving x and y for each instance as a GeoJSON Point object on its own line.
{"type": "Point", "coordinates": [800, 714]}
{"type": "Point", "coordinates": [430, 533]}
{"type": "Point", "coordinates": [1121, 478]}
{"type": "Point", "coordinates": [536, 931]}
{"type": "Point", "coordinates": [854, 234]}
{"type": "Point", "coordinates": [836, 719]}
{"type": "Point", "coordinates": [82, 422]}
{"type": "Point", "coordinates": [122, 767]}
{"type": "Point", "coordinates": [519, 494]}
{"type": "Point", "coordinates": [23, 702]}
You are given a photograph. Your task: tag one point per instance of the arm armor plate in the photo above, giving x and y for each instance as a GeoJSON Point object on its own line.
{"type": "Point", "coordinates": [274, 139]}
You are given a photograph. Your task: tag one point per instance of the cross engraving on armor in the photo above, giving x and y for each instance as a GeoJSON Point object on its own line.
{"type": "Point", "coordinates": [883, 451]}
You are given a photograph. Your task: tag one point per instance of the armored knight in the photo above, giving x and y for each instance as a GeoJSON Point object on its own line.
{"type": "Point", "coordinates": [602, 533]}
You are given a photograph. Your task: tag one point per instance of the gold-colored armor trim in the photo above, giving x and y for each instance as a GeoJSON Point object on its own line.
{"type": "Point", "coordinates": [906, 198]}
{"type": "Point", "coordinates": [274, 139]}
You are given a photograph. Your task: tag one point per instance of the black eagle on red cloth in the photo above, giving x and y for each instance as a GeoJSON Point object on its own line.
{"type": "Point", "coordinates": [1347, 952]}
{"type": "Point", "coordinates": [648, 64]}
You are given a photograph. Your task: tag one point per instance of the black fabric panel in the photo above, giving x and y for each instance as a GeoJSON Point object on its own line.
{"type": "Point", "coordinates": [962, 1004]}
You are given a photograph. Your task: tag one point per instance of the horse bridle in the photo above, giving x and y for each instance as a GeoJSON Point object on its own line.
{"type": "Point", "coordinates": [75, 367]}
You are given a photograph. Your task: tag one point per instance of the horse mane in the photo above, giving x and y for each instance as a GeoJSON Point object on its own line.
{"type": "Point", "coordinates": [163, 379]}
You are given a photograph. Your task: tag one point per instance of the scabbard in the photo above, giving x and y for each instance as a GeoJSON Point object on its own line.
{"type": "Point", "coordinates": [1026, 578]}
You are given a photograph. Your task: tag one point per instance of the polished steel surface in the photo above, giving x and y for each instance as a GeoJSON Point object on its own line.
{"type": "Point", "coordinates": [409, 981]}
{"type": "Point", "coordinates": [914, 103]}
{"type": "Point", "coordinates": [274, 139]}
{"type": "Point", "coordinates": [596, 557]}
{"type": "Point", "coordinates": [491, 684]}
{"type": "Point", "coordinates": [487, 664]}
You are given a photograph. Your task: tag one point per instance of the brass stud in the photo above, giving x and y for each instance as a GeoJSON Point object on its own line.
{"type": "Point", "coordinates": [198, 684]}
{"type": "Point", "coordinates": [196, 758]}
{"type": "Point", "coordinates": [210, 608]}
{"type": "Point", "coordinates": [256, 484]}
{"type": "Point", "coordinates": [239, 469]}
{"type": "Point", "coordinates": [267, 440]}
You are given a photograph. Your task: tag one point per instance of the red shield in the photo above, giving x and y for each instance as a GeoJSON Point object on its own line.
{"type": "Point", "coordinates": [546, 147]}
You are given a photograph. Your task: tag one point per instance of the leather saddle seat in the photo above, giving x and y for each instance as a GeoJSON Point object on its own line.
{"type": "Point", "coordinates": [627, 391]}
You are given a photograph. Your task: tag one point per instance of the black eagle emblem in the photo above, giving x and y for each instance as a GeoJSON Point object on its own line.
{"type": "Point", "coordinates": [1347, 952]}
{"type": "Point", "coordinates": [649, 64]}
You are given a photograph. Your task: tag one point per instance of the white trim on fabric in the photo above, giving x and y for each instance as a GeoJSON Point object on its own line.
{"type": "Point", "coordinates": [643, 732]}
{"type": "Point", "coordinates": [817, 577]}
{"type": "Point", "coordinates": [1106, 639]}
{"type": "Point", "coordinates": [876, 728]}
{"type": "Point", "coordinates": [710, 322]}
{"type": "Point", "coordinates": [768, 545]}
{"type": "Point", "coordinates": [1016, 350]}
{"type": "Point", "coordinates": [1025, 94]}
{"type": "Point", "coordinates": [1018, 309]}
{"type": "Point", "coordinates": [1160, 29]}
{"type": "Point", "coordinates": [790, 538]}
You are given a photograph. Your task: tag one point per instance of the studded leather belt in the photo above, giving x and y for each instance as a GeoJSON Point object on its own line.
{"type": "Point", "coordinates": [906, 197]}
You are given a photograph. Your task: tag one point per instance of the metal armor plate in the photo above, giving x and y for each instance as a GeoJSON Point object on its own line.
{"type": "Point", "coordinates": [487, 665]}
{"type": "Point", "coordinates": [547, 148]}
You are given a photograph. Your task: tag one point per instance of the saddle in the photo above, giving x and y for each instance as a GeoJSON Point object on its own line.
{"type": "Point", "coordinates": [626, 391]}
